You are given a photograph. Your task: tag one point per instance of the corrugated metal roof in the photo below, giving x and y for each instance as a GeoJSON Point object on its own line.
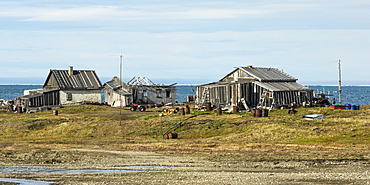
{"type": "Point", "coordinates": [282, 86]}
{"type": "Point", "coordinates": [268, 74]}
{"type": "Point", "coordinates": [115, 84]}
{"type": "Point", "coordinates": [81, 79]}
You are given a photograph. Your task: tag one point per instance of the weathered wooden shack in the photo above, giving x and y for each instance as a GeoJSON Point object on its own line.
{"type": "Point", "coordinates": [248, 87]}
{"type": "Point", "coordinates": [139, 90]}
{"type": "Point", "coordinates": [63, 87]}
{"type": "Point", "coordinates": [37, 99]}
{"type": "Point", "coordinates": [144, 91]}
{"type": "Point", "coordinates": [116, 93]}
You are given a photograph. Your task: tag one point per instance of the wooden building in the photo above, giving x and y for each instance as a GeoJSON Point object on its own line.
{"type": "Point", "coordinates": [249, 87]}
{"type": "Point", "coordinates": [63, 87]}
{"type": "Point", "coordinates": [139, 90]}
{"type": "Point", "coordinates": [116, 92]}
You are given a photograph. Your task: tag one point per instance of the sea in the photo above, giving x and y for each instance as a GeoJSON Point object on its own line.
{"type": "Point", "coordinates": [354, 95]}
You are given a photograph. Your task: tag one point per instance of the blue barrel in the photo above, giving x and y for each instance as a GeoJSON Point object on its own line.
{"type": "Point", "coordinates": [348, 106]}
{"type": "Point", "coordinates": [357, 107]}
{"type": "Point", "coordinates": [353, 107]}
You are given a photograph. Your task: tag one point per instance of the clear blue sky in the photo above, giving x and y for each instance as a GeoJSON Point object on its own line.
{"type": "Point", "coordinates": [188, 42]}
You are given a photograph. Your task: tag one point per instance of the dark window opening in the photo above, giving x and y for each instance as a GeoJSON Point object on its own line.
{"type": "Point", "coordinates": [168, 93]}
{"type": "Point", "coordinates": [69, 96]}
{"type": "Point", "coordinates": [159, 93]}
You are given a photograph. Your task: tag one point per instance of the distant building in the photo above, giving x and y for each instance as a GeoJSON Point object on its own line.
{"type": "Point", "coordinates": [115, 92]}
{"type": "Point", "coordinates": [63, 87]}
{"type": "Point", "coordinates": [248, 87]}
{"type": "Point", "coordinates": [139, 90]}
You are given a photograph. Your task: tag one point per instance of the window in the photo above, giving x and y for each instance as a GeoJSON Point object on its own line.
{"type": "Point", "coordinates": [69, 96]}
{"type": "Point", "coordinates": [159, 93]}
{"type": "Point", "coordinates": [144, 93]}
{"type": "Point", "coordinates": [168, 93]}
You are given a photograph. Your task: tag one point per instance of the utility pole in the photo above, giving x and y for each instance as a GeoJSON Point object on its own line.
{"type": "Point", "coordinates": [121, 84]}
{"type": "Point", "coordinates": [339, 84]}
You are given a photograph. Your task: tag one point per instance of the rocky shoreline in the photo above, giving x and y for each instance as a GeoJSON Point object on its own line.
{"type": "Point", "coordinates": [158, 168]}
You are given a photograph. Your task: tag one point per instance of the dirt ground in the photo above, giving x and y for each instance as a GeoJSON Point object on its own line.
{"type": "Point", "coordinates": [158, 168]}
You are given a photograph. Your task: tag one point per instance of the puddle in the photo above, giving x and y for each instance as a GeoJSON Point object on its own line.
{"type": "Point", "coordinates": [25, 182]}
{"type": "Point", "coordinates": [44, 170]}
{"type": "Point", "coordinates": [10, 169]}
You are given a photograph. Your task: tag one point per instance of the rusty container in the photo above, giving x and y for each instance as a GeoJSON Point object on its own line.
{"type": "Point", "coordinates": [265, 112]}
{"type": "Point", "coordinates": [218, 111]}
{"type": "Point", "coordinates": [254, 112]}
{"type": "Point", "coordinates": [187, 109]}
{"type": "Point", "coordinates": [259, 113]}
{"type": "Point", "coordinates": [55, 112]}
{"type": "Point", "coordinates": [172, 136]}
{"type": "Point", "coordinates": [182, 111]}
{"type": "Point", "coordinates": [19, 109]}
{"type": "Point", "coordinates": [235, 109]}
{"type": "Point", "coordinates": [165, 136]}
{"type": "Point", "coordinates": [208, 106]}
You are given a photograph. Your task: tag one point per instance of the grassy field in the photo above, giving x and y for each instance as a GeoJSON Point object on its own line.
{"type": "Point", "coordinates": [341, 135]}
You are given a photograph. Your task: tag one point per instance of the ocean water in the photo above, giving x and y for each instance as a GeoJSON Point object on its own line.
{"type": "Point", "coordinates": [9, 92]}
{"type": "Point", "coordinates": [355, 95]}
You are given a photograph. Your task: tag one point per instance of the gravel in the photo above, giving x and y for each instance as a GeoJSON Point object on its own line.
{"type": "Point", "coordinates": [156, 168]}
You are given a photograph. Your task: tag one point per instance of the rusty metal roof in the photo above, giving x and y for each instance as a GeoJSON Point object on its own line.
{"type": "Point", "coordinates": [268, 74]}
{"type": "Point", "coordinates": [80, 80]}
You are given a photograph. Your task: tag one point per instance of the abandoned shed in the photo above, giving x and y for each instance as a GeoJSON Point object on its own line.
{"type": "Point", "coordinates": [115, 92]}
{"type": "Point", "coordinates": [139, 90]}
{"type": "Point", "coordinates": [248, 87]}
{"type": "Point", "coordinates": [63, 87]}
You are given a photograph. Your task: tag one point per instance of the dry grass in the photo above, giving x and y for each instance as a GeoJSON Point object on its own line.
{"type": "Point", "coordinates": [342, 134]}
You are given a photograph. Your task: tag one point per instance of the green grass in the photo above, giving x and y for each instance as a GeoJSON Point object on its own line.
{"type": "Point", "coordinates": [201, 131]}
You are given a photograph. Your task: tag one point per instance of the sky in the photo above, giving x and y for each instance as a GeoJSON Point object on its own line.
{"type": "Point", "coordinates": [185, 42]}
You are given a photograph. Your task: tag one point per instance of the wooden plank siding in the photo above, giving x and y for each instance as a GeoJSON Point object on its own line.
{"type": "Point", "coordinates": [227, 95]}
{"type": "Point", "coordinates": [38, 100]}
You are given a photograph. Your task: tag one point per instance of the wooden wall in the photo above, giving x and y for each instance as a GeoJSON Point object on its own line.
{"type": "Point", "coordinates": [227, 95]}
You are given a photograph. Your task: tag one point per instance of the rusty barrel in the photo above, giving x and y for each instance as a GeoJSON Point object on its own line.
{"type": "Point", "coordinates": [165, 136]}
{"type": "Point", "coordinates": [259, 113]}
{"type": "Point", "coordinates": [187, 109]}
{"type": "Point", "coordinates": [55, 112]}
{"type": "Point", "coordinates": [208, 106]}
{"type": "Point", "coordinates": [254, 112]}
{"type": "Point", "coordinates": [265, 112]}
{"type": "Point", "coordinates": [182, 111]}
{"type": "Point", "coordinates": [218, 111]}
{"type": "Point", "coordinates": [172, 136]}
{"type": "Point", "coordinates": [235, 109]}
{"type": "Point", "coordinates": [19, 109]}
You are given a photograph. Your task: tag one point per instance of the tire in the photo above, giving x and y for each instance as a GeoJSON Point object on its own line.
{"type": "Point", "coordinates": [133, 109]}
{"type": "Point", "coordinates": [142, 109]}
